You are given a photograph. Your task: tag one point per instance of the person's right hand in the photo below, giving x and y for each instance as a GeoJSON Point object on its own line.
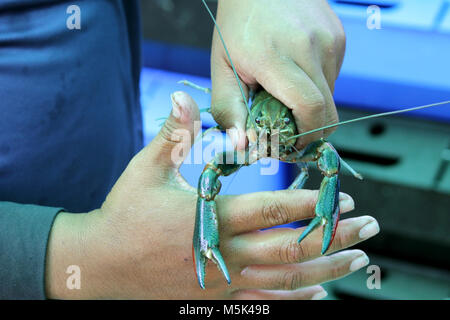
{"type": "Point", "coordinates": [138, 245]}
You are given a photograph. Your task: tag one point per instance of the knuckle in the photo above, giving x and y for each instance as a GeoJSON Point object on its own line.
{"type": "Point", "coordinates": [274, 212]}
{"type": "Point", "coordinates": [334, 118]}
{"type": "Point", "coordinates": [340, 42]}
{"type": "Point", "coordinates": [173, 135]}
{"type": "Point", "coordinates": [337, 269]}
{"type": "Point", "coordinates": [168, 132]}
{"type": "Point", "coordinates": [291, 280]}
{"type": "Point", "coordinates": [341, 240]}
{"type": "Point", "coordinates": [340, 36]}
{"type": "Point", "coordinates": [311, 202]}
{"type": "Point", "coordinates": [329, 40]}
{"type": "Point", "coordinates": [290, 252]}
{"type": "Point", "coordinates": [338, 241]}
{"type": "Point", "coordinates": [314, 100]}
{"type": "Point", "coordinates": [303, 38]}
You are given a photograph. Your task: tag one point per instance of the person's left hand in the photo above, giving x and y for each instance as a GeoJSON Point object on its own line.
{"type": "Point", "coordinates": [292, 48]}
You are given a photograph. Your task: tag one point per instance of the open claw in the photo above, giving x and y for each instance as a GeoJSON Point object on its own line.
{"type": "Point", "coordinates": [201, 260]}
{"type": "Point", "coordinates": [327, 212]}
{"type": "Point", "coordinates": [216, 256]}
{"type": "Point", "coordinates": [310, 228]}
{"type": "Point", "coordinates": [206, 241]}
{"type": "Point", "coordinates": [200, 267]}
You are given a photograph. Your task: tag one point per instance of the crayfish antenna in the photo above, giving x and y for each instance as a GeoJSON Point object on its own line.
{"type": "Point", "coordinates": [195, 86]}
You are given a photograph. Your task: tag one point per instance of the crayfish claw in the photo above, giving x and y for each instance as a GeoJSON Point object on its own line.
{"type": "Point", "coordinates": [200, 266]}
{"type": "Point", "coordinates": [206, 241]}
{"type": "Point", "coordinates": [220, 262]}
{"type": "Point", "coordinates": [310, 228]}
{"type": "Point", "coordinates": [327, 206]}
{"type": "Point", "coordinates": [201, 260]}
{"type": "Point", "coordinates": [329, 230]}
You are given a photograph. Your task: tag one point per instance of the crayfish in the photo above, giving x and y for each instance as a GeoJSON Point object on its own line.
{"type": "Point", "coordinates": [273, 127]}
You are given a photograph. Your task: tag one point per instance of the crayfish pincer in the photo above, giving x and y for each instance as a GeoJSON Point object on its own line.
{"type": "Point", "coordinates": [274, 127]}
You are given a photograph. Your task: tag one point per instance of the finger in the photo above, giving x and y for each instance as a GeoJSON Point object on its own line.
{"type": "Point", "coordinates": [170, 147]}
{"type": "Point", "coordinates": [280, 246]}
{"type": "Point", "coordinates": [254, 211]}
{"type": "Point", "coordinates": [330, 49]}
{"type": "Point", "coordinates": [295, 276]}
{"type": "Point", "coordinates": [329, 69]}
{"type": "Point", "coordinates": [227, 104]}
{"type": "Point", "coordinates": [323, 76]}
{"type": "Point", "coordinates": [291, 85]}
{"type": "Point", "coordinates": [321, 67]}
{"type": "Point", "coordinates": [331, 115]}
{"type": "Point", "coordinates": [337, 40]}
{"type": "Point", "coordinates": [311, 293]}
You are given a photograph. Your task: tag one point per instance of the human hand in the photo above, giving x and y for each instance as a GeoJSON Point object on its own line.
{"type": "Point", "coordinates": [293, 49]}
{"type": "Point", "coordinates": [138, 245]}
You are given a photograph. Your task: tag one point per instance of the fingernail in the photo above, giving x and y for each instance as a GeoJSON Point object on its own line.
{"type": "Point", "coordinates": [369, 230]}
{"type": "Point", "coordinates": [344, 196]}
{"type": "Point", "coordinates": [319, 295]}
{"type": "Point", "coordinates": [346, 203]}
{"type": "Point", "coordinates": [359, 263]}
{"type": "Point", "coordinates": [176, 108]}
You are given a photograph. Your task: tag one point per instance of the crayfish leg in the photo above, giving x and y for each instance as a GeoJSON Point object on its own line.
{"type": "Point", "coordinates": [195, 86]}
{"type": "Point", "coordinates": [302, 177]}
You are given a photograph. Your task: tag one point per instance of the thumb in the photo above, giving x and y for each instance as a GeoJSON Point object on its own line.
{"type": "Point", "coordinates": [171, 146]}
{"type": "Point", "coordinates": [227, 105]}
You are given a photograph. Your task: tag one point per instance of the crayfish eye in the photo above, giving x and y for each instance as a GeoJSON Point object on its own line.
{"type": "Point", "coordinates": [287, 120]}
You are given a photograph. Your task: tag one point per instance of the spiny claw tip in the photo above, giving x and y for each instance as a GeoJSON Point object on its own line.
{"type": "Point", "coordinates": [326, 246]}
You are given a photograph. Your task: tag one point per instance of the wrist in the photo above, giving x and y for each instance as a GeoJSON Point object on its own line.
{"type": "Point", "coordinates": [71, 264]}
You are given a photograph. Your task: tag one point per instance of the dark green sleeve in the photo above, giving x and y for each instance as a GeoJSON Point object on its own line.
{"type": "Point", "coordinates": [24, 232]}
